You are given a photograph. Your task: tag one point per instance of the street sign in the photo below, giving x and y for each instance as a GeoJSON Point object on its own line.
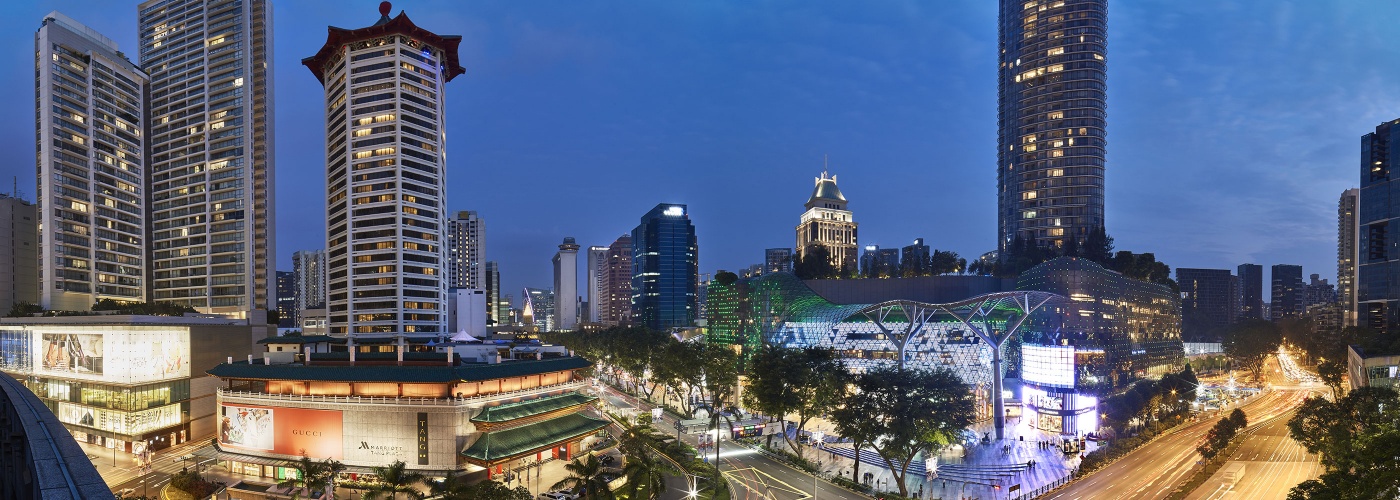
{"type": "Point", "coordinates": [655, 414]}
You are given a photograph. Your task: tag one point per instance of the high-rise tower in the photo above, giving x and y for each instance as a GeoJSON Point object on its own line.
{"type": "Point", "coordinates": [384, 174]}
{"type": "Point", "coordinates": [210, 140]}
{"type": "Point", "coordinates": [665, 269]}
{"type": "Point", "coordinates": [1051, 99]}
{"type": "Point", "coordinates": [566, 286]}
{"type": "Point", "coordinates": [829, 225]}
{"type": "Point", "coordinates": [466, 251]}
{"type": "Point", "coordinates": [615, 303]}
{"type": "Point", "coordinates": [1347, 229]}
{"type": "Point", "coordinates": [1377, 259]}
{"type": "Point", "coordinates": [92, 168]}
{"type": "Point", "coordinates": [597, 266]}
{"type": "Point", "coordinates": [310, 269]}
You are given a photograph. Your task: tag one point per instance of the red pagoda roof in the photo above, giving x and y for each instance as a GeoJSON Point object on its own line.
{"type": "Point", "coordinates": [337, 38]}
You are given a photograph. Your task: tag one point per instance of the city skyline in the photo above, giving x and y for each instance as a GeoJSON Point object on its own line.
{"type": "Point", "coordinates": [844, 92]}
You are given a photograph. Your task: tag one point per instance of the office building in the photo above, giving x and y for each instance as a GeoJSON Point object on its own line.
{"type": "Point", "coordinates": [777, 260]}
{"type": "Point", "coordinates": [19, 252]}
{"type": "Point", "coordinates": [466, 251]}
{"type": "Point", "coordinates": [615, 305]}
{"type": "Point", "coordinates": [597, 266]}
{"type": "Point", "coordinates": [506, 314]}
{"type": "Point", "coordinates": [538, 309]}
{"type": "Point", "coordinates": [466, 312]}
{"type": "Point", "coordinates": [665, 269]}
{"type": "Point", "coordinates": [878, 262]}
{"type": "Point", "coordinates": [286, 300]}
{"type": "Point", "coordinates": [566, 286]}
{"type": "Point", "coordinates": [1378, 261]}
{"type": "Point", "coordinates": [1318, 291]}
{"type": "Point", "coordinates": [914, 259]}
{"type": "Point", "coordinates": [1051, 120]}
{"type": "Point", "coordinates": [1252, 292]}
{"type": "Point", "coordinates": [384, 169]}
{"type": "Point", "coordinates": [92, 169]}
{"type": "Point", "coordinates": [494, 316]}
{"type": "Point", "coordinates": [310, 269]}
{"type": "Point", "coordinates": [1209, 302]}
{"type": "Point", "coordinates": [210, 136]}
{"type": "Point", "coordinates": [828, 224]}
{"type": "Point", "coordinates": [1286, 292]}
{"type": "Point", "coordinates": [1347, 229]}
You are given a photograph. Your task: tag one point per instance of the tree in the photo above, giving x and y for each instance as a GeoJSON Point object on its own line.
{"type": "Point", "coordinates": [585, 474]}
{"type": "Point", "coordinates": [909, 411]}
{"type": "Point", "coordinates": [645, 473]}
{"type": "Point", "coordinates": [1098, 246]}
{"type": "Point", "coordinates": [1331, 372]}
{"type": "Point", "coordinates": [1356, 436]}
{"type": "Point", "coordinates": [1220, 435]}
{"type": "Point", "coordinates": [491, 490]}
{"type": "Point", "coordinates": [23, 309]}
{"type": "Point", "coordinates": [392, 480]}
{"type": "Point", "coordinates": [1249, 343]}
{"type": "Point", "coordinates": [807, 382]}
{"type": "Point", "coordinates": [815, 264]}
{"type": "Point", "coordinates": [312, 476]}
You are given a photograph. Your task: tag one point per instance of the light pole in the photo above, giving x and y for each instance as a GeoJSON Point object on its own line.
{"type": "Point", "coordinates": [816, 482]}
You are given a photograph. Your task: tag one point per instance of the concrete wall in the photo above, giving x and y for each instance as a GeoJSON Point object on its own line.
{"type": "Point", "coordinates": [934, 289]}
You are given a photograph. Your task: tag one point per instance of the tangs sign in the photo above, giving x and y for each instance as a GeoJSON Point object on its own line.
{"type": "Point", "coordinates": [285, 431]}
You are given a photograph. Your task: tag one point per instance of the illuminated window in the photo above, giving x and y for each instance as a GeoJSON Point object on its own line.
{"type": "Point", "coordinates": [1028, 195]}
{"type": "Point", "coordinates": [1057, 153]}
{"type": "Point", "coordinates": [1057, 172]}
{"type": "Point", "coordinates": [1029, 214]}
{"type": "Point", "coordinates": [1055, 51]}
{"type": "Point", "coordinates": [1056, 68]}
{"type": "Point", "coordinates": [1055, 115]}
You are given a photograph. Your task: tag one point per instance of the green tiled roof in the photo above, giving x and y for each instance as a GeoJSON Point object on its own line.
{"type": "Point", "coordinates": [301, 339]}
{"type": "Point", "coordinates": [470, 372]}
{"type": "Point", "coordinates": [532, 407]}
{"type": "Point", "coordinates": [498, 445]}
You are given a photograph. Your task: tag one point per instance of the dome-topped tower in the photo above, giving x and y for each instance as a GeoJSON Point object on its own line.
{"type": "Point", "coordinates": [829, 225]}
{"type": "Point", "coordinates": [826, 194]}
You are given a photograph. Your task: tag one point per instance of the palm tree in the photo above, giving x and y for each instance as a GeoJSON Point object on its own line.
{"type": "Point", "coordinates": [392, 480]}
{"type": "Point", "coordinates": [644, 470]}
{"type": "Point", "coordinates": [450, 486]}
{"type": "Point", "coordinates": [312, 476]}
{"type": "Point", "coordinates": [587, 474]}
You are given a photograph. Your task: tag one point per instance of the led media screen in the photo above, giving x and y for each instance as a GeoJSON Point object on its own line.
{"type": "Point", "coordinates": [1048, 365]}
{"type": "Point", "coordinates": [285, 431]}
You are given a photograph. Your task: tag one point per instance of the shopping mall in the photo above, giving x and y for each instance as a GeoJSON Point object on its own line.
{"type": "Point", "coordinates": [126, 383]}
{"type": "Point", "coordinates": [479, 408]}
{"type": "Point", "coordinates": [1074, 330]}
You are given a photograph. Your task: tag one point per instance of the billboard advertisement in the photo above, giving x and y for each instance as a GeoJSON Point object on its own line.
{"type": "Point", "coordinates": [113, 355]}
{"type": "Point", "coordinates": [285, 431]}
{"type": "Point", "coordinates": [134, 423]}
{"type": "Point", "coordinates": [1048, 365]}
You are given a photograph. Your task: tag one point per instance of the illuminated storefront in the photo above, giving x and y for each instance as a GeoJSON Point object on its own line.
{"type": "Point", "coordinates": [123, 382]}
{"type": "Point", "coordinates": [489, 409]}
{"type": "Point", "coordinates": [1049, 396]}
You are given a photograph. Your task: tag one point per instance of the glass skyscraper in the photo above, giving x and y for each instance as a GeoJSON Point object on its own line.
{"type": "Point", "coordinates": [665, 269]}
{"type": "Point", "coordinates": [1051, 97]}
{"type": "Point", "coordinates": [1377, 261]}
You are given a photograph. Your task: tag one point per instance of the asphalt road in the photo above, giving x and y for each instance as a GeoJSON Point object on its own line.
{"type": "Point", "coordinates": [1273, 464]}
{"type": "Point", "coordinates": [751, 475]}
{"type": "Point", "coordinates": [1156, 469]}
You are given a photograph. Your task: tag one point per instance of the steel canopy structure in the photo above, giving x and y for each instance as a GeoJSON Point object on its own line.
{"type": "Point", "coordinates": [966, 336]}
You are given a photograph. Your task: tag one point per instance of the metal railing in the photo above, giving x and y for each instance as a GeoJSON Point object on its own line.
{"type": "Point", "coordinates": [401, 400]}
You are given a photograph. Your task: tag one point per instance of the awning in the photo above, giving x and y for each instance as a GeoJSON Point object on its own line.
{"type": "Point", "coordinates": [221, 455]}
{"type": "Point", "coordinates": [499, 446]}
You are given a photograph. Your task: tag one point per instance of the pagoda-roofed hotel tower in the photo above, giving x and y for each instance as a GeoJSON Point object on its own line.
{"type": "Point", "coordinates": [385, 185]}
{"type": "Point", "coordinates": [1051, 97]}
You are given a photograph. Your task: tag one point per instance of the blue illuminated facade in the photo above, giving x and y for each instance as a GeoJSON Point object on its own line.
{"type": "Point", "coordinates": [665, 269]}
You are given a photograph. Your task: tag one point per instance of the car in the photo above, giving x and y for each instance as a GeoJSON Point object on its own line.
{"type": "Point", "coordinates": [124, 492]}
{"type": "Point", "coordinates": [558, 495]}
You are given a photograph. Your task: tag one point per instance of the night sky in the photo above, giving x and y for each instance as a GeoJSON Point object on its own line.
{"type": "Point", "coordinates": [1233, 126]}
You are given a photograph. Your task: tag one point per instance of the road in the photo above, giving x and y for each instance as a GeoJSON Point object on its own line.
{"type": "Point", "coordinates": [1156, 469]}
{"type": "Point", "coordinates": [165, 463]}
{"type": "Point", "coordinates": [751, 474]}
{"type": "Point", "coordinates": [1273, 462]}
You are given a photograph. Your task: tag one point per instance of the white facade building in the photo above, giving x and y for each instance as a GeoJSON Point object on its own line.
{"type": "Point", "coordinates": [91, 166]}
{"type": "Point", "coordinates": [597, 267]}
{"type": "Point", "coordinates": [566, 286]}
{"type": "Point", "coordinates": [210, 135]}
{"type": "Point", "coordinates": [466, 312]}
{"type": "Point", "coordinates": [384, 170]}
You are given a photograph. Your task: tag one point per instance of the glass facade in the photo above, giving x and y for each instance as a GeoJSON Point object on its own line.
{"type": "Point", "coordinates": [1378, 261]}
{"type": "Point", "coordinates": [1136, 324]}
{"type": "Point", "coordinates": [1051, 96]}
{"type": "Point", "coordinates": [665, 269]}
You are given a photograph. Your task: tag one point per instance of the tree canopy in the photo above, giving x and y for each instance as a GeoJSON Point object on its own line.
{"type": "Point", "coordinates": [1357, 436]}
{"type": "Point", "coordinates": [1249, 343]}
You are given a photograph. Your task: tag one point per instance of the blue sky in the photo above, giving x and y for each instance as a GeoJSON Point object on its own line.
{"type": "Point", "coordinates": [1233, 126]}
